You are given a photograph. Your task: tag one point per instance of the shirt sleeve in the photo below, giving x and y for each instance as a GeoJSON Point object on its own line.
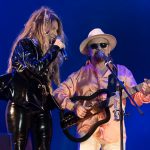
{"type": "Point", "coordinates": [140, 98]}
{"type": "Point", "coordinates": [26, 55]}
{"type": "Point", "coordinates": [130, 82]}
{"type": "Point", "coordinates": [65, 91]}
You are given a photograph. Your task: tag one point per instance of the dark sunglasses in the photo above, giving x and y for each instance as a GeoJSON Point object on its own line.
{"type": "Point", "coordinates": [96, 45]}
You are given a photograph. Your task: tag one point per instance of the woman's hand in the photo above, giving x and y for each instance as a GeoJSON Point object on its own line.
{"type": "Point", "coordinates": [59, 43]}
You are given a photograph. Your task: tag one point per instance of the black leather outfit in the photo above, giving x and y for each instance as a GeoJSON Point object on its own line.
{"type": "Point", "coordinates": [30, 67]}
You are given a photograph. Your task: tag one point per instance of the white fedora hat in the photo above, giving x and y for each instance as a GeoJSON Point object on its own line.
{"type": "Point", "coordinates": [95, 34]}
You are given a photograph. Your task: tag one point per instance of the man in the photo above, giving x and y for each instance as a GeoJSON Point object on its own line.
{"type": "Point", "coordinates": [92, 77]}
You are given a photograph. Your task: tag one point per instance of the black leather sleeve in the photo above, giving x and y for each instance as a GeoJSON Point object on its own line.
{"type": "Point", "coordinates": [26, 54]}
{"type": "Point", "coordinates": [5, 90]}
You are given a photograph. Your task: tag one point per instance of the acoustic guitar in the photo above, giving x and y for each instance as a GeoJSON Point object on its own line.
{"type": "Point", "coordinates": [69, 120]}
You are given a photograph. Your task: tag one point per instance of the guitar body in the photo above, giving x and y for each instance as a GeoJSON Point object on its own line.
{"type": "Point", "coordinates": [70, 121]}
{"type": "Point", "coordinates": [73, 120]}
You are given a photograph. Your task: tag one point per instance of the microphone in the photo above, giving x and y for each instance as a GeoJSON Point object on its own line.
{"type": "Point", "coordinates": [64, 53]}
{"type": "Point", "coordinates": [62, 50]}
{"type": "Point", "coordinates": [102, 55]}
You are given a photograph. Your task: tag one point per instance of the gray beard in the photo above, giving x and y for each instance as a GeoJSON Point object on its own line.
{"type": "Point", "coordinates": [98, 57]}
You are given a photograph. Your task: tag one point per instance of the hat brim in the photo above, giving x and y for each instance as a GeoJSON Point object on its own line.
{"type": "Point", "coordinates": [111, 39]}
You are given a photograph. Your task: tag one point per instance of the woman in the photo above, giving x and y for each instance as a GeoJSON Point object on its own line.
{"type": "Point", "coordinates": [34, 64]}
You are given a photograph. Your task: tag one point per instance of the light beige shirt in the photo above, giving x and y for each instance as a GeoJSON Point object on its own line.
{"type": "Point", "coordinates": [85, 82]}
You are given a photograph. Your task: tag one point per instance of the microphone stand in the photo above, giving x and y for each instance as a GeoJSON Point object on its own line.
{"type": "Point", "coordinates": [121, 87]}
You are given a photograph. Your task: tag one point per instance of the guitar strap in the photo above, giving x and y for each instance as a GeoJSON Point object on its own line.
{"type": "Point", "coordinates": [112, 83]}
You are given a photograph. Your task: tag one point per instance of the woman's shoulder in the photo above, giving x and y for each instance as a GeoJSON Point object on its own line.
{"type": "Point", "coordinates": [27, 40]}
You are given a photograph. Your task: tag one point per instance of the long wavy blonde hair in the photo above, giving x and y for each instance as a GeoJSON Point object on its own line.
{"type": "Point", "coordinates": [33, 29]}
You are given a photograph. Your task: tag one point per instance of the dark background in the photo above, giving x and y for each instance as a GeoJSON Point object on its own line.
{"type": "Point", "coordinates": [127, 20]}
